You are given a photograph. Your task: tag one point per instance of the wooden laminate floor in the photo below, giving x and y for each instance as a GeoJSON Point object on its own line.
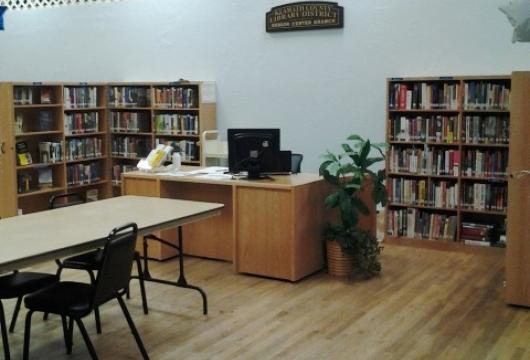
{"type": "Point", "coordinates": [427, 304]}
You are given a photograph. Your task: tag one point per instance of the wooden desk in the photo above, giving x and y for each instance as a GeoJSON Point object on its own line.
{"type": "Point", "coordinates": [269, 228]}
{"type": "Point", "coordinates": [47, 235]}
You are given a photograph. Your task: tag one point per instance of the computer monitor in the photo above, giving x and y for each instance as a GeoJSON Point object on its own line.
{"type": "Point", "coordinates": [256, 151]}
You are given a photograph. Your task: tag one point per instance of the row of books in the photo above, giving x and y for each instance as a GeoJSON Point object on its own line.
{"type": "Point", "coordinates": [423, 96]}
{"type": "Point", "coordinates": [485, 162]}
{"type": "Point", "coordinates": [490, 129]}
{"type": "Point", "coordinates": [176, 97]}
{"type": "Point", "coordinates": [117, 170]}
{"type": "Point", "coordinates": [23, 155]}
{"type": "Point", "coordinates": [480, 196]}
{"type": "Point", "coordinates": [441, 194]}
{"type": "Point", "coordinates": [79, 174]}
{"type": "Point", "coordinates": [188, 149]}
{"type": "Point", "coordinates": [131, 122]}
{"type": "Point", "coordinates": [80, 97]}
{"type": "Point", "coordinates": [35, 180]}
{"type": "Point", "coordinates": [174, 124]}
{"type": "Point", "coordinates": [418, 224]}
{"type": "Point", "coordinates": [43, 122]}
{"type": "Point", "coordinates": [480, 234]}
{"type": "Point", "coordinates": [50, 152]}
{"type": "Point", "coordinates": [77, 149]}
{"type": "Point", "coordinates": [482, 95]}
{"type": "Point", "coordinates": [129, 96]}
{"type": "Point", "coordinates": [24, 95]}
{"type": "Point", "coordinates": [81, 123]}
{"type": "Point", "coordinates": [130, 146]}
{"type": "Point", "coordinates": [424, 160]}
{"type": "Point", "coordinates": [441, 129]}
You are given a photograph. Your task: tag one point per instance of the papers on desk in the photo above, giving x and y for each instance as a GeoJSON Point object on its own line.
{"type": "Point", "coordinates": [219, 176]}
{"type": "Point", "coordinates": [212, 172]}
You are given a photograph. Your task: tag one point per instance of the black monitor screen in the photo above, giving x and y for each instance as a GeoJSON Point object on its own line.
{"type": "Point", "coordinates": [248, 145]}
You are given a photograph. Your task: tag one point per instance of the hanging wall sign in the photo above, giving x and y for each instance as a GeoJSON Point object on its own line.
{"type": "Point", "coordinates": [2, 11]}
{"type": "Point", "coordinates": [306, 15]}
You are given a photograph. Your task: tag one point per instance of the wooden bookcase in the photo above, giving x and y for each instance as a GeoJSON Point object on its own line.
{"type": "Point", "coordinates": [82, 118]}
{"type": "Point", "coordinates": [518, 246]}
{"type": "Point", "coordinates": [34, 114]}
{"type": "Point", "coordinates": [447, 162]}
{"type": "Point", "coordinates": [156, 113]}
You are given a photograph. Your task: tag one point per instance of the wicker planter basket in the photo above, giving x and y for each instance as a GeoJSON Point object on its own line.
{"type": "Point", "coordinates": [340, 263]}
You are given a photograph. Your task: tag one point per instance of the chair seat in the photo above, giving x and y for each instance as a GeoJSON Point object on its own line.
{"type": "Point", "coordinates": [22, 283]}
{"type": "Point", "coordinates": [90, 260]}
{"type": "Point", "coordinates": [63, 298]}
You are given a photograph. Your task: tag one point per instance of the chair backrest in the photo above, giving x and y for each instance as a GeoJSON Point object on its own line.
{"type": "Point", "coordinates": [296, 163]}
{"type": "Point", "coordinates": [64, 200]}
{"type": "Point", "coordinates": [116, 266]}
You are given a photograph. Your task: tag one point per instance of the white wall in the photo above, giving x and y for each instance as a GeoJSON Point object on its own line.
{"type": "Point", "coordinates": [317, 86]}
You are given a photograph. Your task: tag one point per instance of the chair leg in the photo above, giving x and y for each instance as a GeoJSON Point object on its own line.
{"type": "Point", "coordinates": [71, 334]}
{"type": "Point", "coordinates": [98, 320]}
{"type": "Point", "coordinates": [96, 310]}
{"type": "Point", "coordinates": [133, 328]}
{"type": "Point", "coordinates": [15, 314]}
{"type": "Point", "coordinates": [142, 284]}
{"type": "Point", "coordinates": [3, 328]}
{"type": "Point", "coordinates": [66, 334]}
{"type": "Point", "coordinates": [27, 333]}
{"type": "Point", "coordinates": [88, 343]}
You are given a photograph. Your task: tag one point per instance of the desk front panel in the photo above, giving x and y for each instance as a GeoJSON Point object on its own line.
{"type": "Point", "coordinates": [211, 238]}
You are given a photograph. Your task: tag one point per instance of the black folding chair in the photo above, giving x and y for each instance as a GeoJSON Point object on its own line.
{"type": "Point", "coordinates": [16, 286]}
{"type": "Point", "coordinates": [73, 300]}
{"type": "Point", "coordinates": [89, 261]}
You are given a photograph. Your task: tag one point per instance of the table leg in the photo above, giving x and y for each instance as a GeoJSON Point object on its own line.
{"type": "Point", "coordinates": [181, 282]}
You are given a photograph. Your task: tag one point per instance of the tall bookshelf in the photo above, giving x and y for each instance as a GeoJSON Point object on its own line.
{"type": "Point", "coordinates": [143, 115]}
{"type": "Point", "coordinates": [448, 157]}
{"type": "Point", "coordinates": [518, 246]}
{"type": "Point", "coordinates": [35, 119]}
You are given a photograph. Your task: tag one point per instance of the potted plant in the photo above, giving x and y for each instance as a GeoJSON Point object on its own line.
{"type": "Point", "coordinates": [356, 189]}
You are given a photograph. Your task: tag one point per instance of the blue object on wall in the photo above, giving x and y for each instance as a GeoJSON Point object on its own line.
{"type": "Point", "coordinates": [2, 11]}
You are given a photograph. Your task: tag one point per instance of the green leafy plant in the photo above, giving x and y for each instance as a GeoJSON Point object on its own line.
{"type": "Point", "coordinates": [348, 171]}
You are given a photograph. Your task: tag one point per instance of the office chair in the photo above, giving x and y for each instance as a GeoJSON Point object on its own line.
{"type": "Point", "coordinates": [89, 261]}
{"type": "Point", "coordinates": [296, 163]}
{"type": "Point", "coordinates": [17, 285]}
{"type": "Point", "coordinates": [74, 300]}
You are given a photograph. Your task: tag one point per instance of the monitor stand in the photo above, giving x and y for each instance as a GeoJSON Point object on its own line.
{"type": "Point", "coordinates": [254, 171]}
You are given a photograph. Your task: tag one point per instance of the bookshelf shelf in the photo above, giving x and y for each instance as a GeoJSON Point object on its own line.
{"type": "Point", "coordinates": [505, 146]}
{"type": "Point", "coordinates": [86, 159]}
{"type": "Point", "coordinates": [39, 165]}
{"type": "Point", "coordinates": [485, 212]}
{"type": "Point", "coordinates": [430, 143]}
{"type": "Point", "coordinates": [488, 111]}
{"type": "Point", "coordinates": [426, 111]}
{"type": "Point", "coordinates": [40, 192]}
{"type": "Point", "coordinates": [422, 207]}
{"type": "Point", "coordinates": [131, 108]}
{"type": "Point", "coordinates": [485, 178]}
{"type": "Point", "coordinates": [449, 177]}
{"type": "Point", "coordinates": [168, 108]}
{"type": "Point", "coordinates": [178, 135]}
{"type": "Point", "coordinates": [37, 106]}
{"type": "Point", "coordinates": [40, 133]}
{"type": "Point", "coordinates": [86, 134]}
{"type": "Point", "coordinates": [82, 109]}
{"type": "Point", "coordinates": [457, 119]}
{"type": "Point", "coordinates": [130, 133]}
